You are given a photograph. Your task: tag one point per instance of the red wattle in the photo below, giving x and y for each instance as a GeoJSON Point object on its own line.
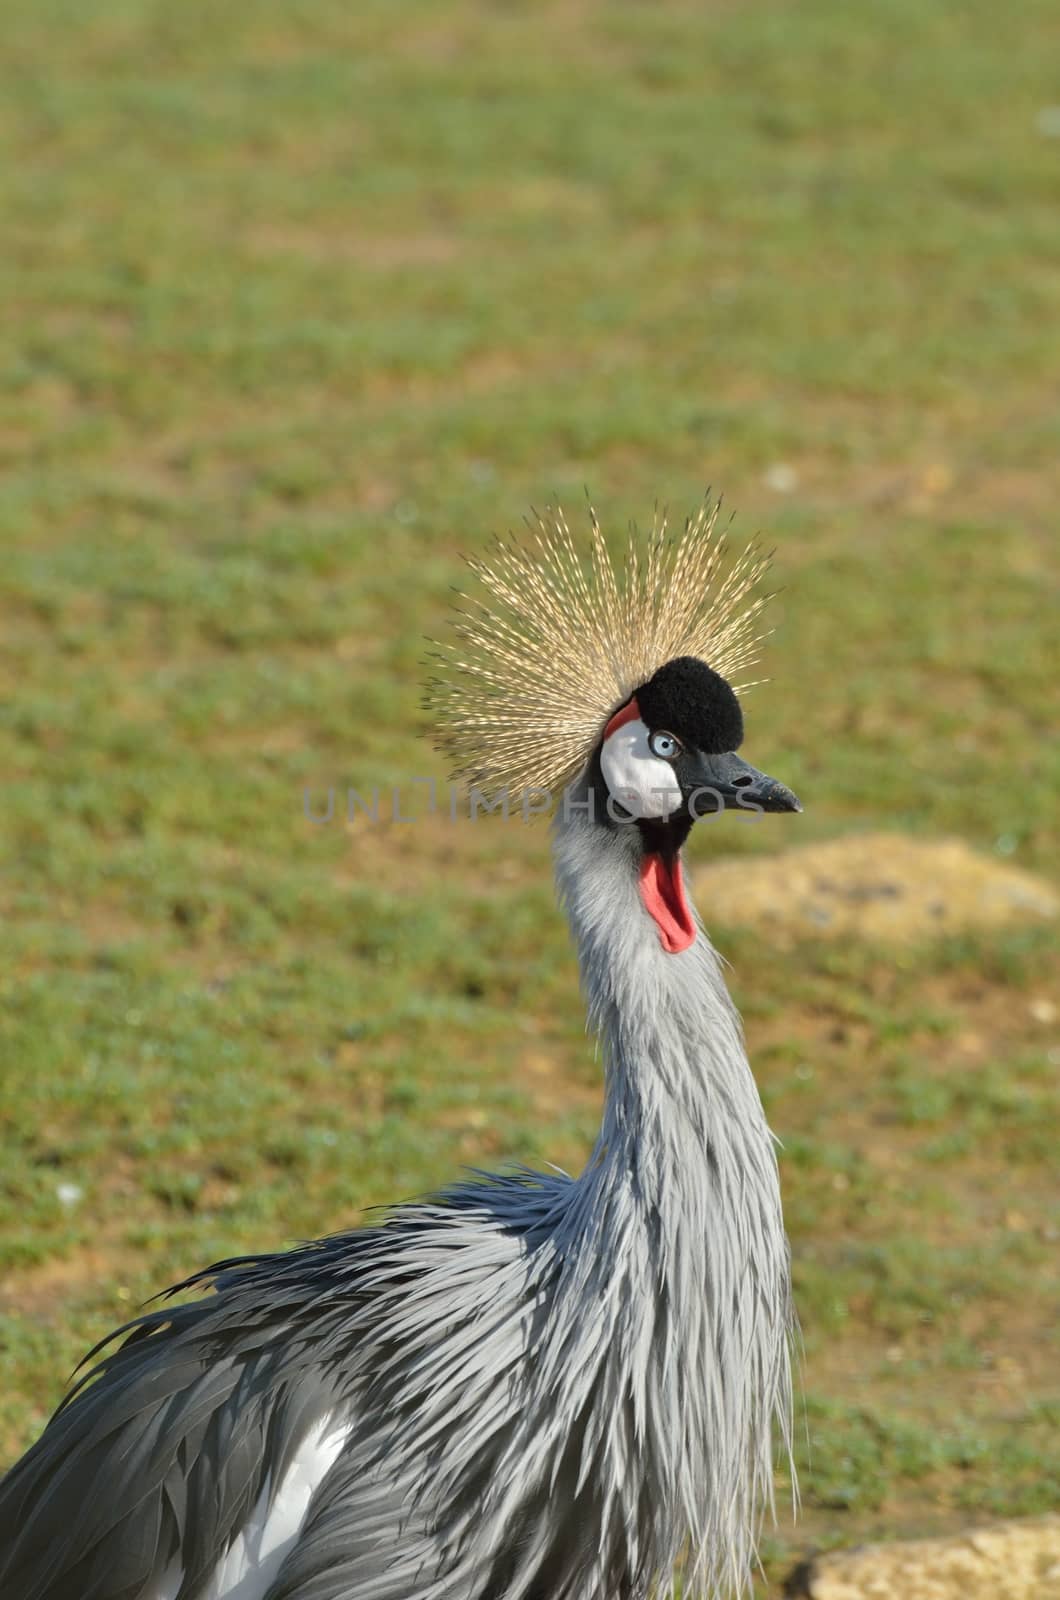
{"type": "Point", "coordinates": [663, 891]}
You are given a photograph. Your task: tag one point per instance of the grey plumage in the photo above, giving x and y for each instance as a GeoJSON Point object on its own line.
{"type": "Point", "coordinates": [551, 1384]}
{"type": "Point", "coordinates": [528, 1387]}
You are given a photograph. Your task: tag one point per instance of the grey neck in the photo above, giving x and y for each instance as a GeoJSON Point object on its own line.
{"type": "Point", "coordinates": [676, 1220]}
{"type": "Point", "coordinates": [672, 1040]}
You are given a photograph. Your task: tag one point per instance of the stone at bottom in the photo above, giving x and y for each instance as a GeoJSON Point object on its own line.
{"type": "Point", "coordinates": [1002, 1561]}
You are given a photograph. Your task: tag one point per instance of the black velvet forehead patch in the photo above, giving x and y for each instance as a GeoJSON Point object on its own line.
{"type": "Point", "coordinates": [690, 699]}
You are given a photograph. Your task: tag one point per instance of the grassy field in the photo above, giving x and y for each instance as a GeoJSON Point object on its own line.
{"type": "Point", "coordinates": [302, 300]}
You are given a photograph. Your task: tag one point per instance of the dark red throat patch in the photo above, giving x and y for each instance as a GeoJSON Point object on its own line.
{"type": "Point", "coordinates": [663, 891]}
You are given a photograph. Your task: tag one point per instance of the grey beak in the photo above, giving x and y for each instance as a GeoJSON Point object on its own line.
{"type": "Point", "coordinates": [728, 783]}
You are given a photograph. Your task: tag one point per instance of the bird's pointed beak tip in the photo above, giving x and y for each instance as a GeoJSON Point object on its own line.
{"type": "Point", "coordinates": [772, 795]}
{"type": "Point", "coordinates": [775, 796]}
{"type": "Point", "coordinates": [784, 800]}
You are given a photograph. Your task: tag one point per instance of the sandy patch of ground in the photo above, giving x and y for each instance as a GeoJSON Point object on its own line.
{"type": "Point", "coordinates": [880, 887]}
{"type": "Point", "coordinates": [1003, 1561]}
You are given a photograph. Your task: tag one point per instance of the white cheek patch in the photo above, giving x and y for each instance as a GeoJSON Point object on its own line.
{"type": "Point", "coordinates": [642, 783]}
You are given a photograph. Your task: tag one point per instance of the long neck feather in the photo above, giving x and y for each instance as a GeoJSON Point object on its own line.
{"type": "Point", "coordinates": [672, 1038]}
{"type": "Point", "coordinates": [680, 1207]}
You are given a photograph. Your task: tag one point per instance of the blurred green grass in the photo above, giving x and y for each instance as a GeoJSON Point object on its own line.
{"type": "Point", "coordinates": [301, 302]}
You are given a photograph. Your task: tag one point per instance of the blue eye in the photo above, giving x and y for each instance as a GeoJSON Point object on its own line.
{"type": "Point", "coordinates": [665, 745]}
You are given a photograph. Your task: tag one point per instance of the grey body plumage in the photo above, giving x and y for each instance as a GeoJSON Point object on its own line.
{"type": "Point", "coordinates": [529, 1386]}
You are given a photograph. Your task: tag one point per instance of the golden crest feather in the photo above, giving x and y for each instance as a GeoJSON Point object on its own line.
{"type": "Point", "coordinates": [557, 639]}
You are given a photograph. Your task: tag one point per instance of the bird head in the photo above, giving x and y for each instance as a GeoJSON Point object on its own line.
{"type": "Point", "coordinates": [669, 753]}
{"type": "Point", "coordinates": [667, 758]}
{"type": "Point", "coordinates": [566, 668]}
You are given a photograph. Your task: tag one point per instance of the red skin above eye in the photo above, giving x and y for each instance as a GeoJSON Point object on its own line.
{"type": "Point", "coordinates": [630, 712]}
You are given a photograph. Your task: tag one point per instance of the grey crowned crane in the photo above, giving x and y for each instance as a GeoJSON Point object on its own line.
{"type": "Point", "coordinates": [528, 1386]}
